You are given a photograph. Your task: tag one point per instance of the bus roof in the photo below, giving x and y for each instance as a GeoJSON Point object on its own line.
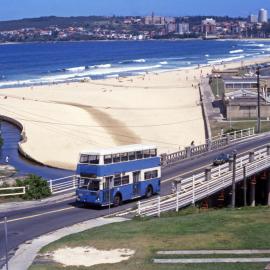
{"type": "Point", "coordinates": [119, 149]}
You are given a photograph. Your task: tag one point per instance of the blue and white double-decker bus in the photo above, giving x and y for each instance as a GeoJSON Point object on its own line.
{"type": "Point", "coordinates": [112, 176]}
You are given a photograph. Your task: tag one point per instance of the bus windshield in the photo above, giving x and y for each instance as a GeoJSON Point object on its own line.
{"type": "Point", "coordinates": [89, 184]}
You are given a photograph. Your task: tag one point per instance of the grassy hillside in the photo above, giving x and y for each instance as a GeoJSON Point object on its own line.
{"type": "Point", "coordinates": [222, 229]}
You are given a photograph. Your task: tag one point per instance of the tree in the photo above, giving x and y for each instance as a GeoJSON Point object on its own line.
{"type": "Point", "coordinates": [36, 187]}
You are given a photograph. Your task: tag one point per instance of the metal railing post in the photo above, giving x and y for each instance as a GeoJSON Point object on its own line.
{"type": "Point", "coordinates": [235, 135]}
{"type": "Point", "coordinates": [74, 181]}
{"type": "Point", "coordinates": [193, 190]}
{"type": "Point", "coordinates": [139, 208]}
{"type": "Point", "coordinates": [51, 186]}
{"type": "Point", "coordinates": [158, 206]}
{"type": "Point", "coordinates": [177, 200]}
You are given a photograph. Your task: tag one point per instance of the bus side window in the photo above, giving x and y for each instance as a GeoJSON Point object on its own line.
{"type": "Point", "coordinates": [153, 152]}
{"type": "Point", "coordinates": [117, 180]}
{"type": "Point", "coordinates": [150, 175]}
{"type": "Point", "coordinates": [124, 157]}
{"type": "Point", "coordinates": [125, 180]}
{"type": "Point", "coordinates": [116, 158]}
{"type": "Point", "coordinates": [84, 159]}
{"type": "Point", "coordinates": [146, 153]}
{"type": "Point", "coordinates": [94, 159]}
{"type": "Point", "coordinates": [139, 154]}
{"type": "Point", "coordinates": [107, 159]}
{"type": "Point", "coordinates": [131, 156]}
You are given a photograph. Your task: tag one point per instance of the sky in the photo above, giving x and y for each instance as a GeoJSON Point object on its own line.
{"type": "Point", "coordinates": [17, 9]}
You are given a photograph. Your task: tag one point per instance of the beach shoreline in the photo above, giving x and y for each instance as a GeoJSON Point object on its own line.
{"type": "Point", "coordinates": [157, 108]}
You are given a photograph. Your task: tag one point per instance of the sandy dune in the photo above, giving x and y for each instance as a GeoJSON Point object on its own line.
{"type": "Point", "coordinates": [62, 120]}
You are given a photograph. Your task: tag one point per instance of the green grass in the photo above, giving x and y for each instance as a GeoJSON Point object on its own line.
{"type": "Point", "coordinates": [221, 229]}
{"type": "Point", "coordinates": [217, 126]}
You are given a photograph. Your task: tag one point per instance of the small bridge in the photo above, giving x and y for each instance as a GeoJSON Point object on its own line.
{"type": "Point", "coordinates": [210, 182]}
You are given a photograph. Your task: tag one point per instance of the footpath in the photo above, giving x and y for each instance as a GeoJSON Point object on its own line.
{"type": "Point", "coordinates": [27, 252]}
{"type": "Point", "coordinates": [251, 256]}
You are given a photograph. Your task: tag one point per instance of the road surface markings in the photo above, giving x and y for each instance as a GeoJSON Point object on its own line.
{"type": "Point", "coordinates": [41, 214]}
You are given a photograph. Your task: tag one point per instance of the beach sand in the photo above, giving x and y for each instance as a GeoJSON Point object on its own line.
{"type": "Point", "coordinates": [62, 120]}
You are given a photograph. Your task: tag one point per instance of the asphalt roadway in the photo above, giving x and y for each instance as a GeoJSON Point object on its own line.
{"type": "Point", "coordinates": [24, 225]}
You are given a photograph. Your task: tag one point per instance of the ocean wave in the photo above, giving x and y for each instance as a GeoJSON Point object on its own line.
{"type": "Point", "coordinates": [253, 45]}
{"type": "Point", "coordinates": [207, 55]}
{"type": "Point", "coordinates": [102, 66]}
{"type": "Point", "coordinates": [229, 59]}
{"type": "Point", "coordinates": [236, 51]}
{"type": "Point", "coordinates": [75, 69]}
{"type": "Point", "coordinates": [163, 63]}
{"type": "Point", "coordinates": [133, 61]}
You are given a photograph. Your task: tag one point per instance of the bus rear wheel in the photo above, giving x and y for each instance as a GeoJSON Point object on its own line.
{"type": "Point", "coordinates": [117, 200]}
{"type": "Point", "coordinates": [149, 192]}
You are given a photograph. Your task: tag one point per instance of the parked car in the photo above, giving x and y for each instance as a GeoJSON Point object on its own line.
{"type": "Point", "coordinates": [221, 159]}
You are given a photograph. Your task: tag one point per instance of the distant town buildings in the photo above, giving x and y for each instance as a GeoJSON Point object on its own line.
{"type": "Point", "coordinates": [253, 18]}
{"type": "Point", "coordinates": [209, 26]}
{"type": "Point", "coordinates": [141, 28]}
{"type": "Point", "coordinates": [263, 16]}
{"type": "Point", "coordinates": [183, 28]}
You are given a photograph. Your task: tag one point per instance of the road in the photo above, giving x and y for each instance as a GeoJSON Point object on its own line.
{"type": "Point", "coordinates": [27, 224]}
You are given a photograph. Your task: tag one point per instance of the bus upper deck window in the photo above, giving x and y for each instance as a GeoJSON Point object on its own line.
{"type": "Point", "coordinates": [131, 155]}
{"type": "Point", "coordinates": [84, 159]}
{"type": "Point", "coordinates": [116, 158]}
{"type": "Point", "coordinates": [139, 154]}
{"type": "Point", "coordinates": [124, 157]}
{"type": "Point", "coordinates": [146, 153]}
{"type": "Point", "coordinates": [94, 159]}
{"type": "Point", "coordinates": [107, 159]}
{"type": "Point", "coordinates": [153, 152]}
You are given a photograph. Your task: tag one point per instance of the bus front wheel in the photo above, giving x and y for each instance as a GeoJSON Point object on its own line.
{"type": "Point", "coordinates": [149, 192]}
{"type": "Point", "coordinates": [117, 200]}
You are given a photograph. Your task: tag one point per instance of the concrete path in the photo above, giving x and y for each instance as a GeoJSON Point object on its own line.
{"type": "Point", "coordinates": [27, 252]}
{"type": "Point", "coordinates": [217, 260]}
{"type": "Point", "coordinates": [211, 252]}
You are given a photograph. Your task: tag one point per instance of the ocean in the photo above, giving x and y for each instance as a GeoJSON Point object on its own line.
{"type": "Point", "coordinates": [44, 63]}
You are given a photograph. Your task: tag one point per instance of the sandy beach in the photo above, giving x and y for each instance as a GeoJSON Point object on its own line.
{"type": "Point", "coordinates": [62, 120]}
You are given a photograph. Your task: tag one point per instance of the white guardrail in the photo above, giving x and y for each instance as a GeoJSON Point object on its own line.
{"type": "Point", "coordinates": [200, 186]}
{"type": "Point", "coordinates": [64, 184]}
{"type": "Point", "coordinates": [210, 145]}
{"type": "Point", "coordinates": [13, 193]}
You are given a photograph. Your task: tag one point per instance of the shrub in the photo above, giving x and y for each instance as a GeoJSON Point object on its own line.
{"type": "Point", "coordinates": [36, 187]}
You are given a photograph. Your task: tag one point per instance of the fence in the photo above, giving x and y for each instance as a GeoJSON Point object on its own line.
{"type": "Point", "coordinates": [204, 184]}
{"type": "Point", "coordinates": [64, 184]}
{"type": "Point", "coordinates": [211, 144]}
{"type": "Point", "coordinates": [13, 193]}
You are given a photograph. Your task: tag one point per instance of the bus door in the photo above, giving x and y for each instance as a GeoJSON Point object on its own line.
{"type": "Point", "coordinates": [108, 190]}
{"type": "Point", "coordinates": [136, 183]}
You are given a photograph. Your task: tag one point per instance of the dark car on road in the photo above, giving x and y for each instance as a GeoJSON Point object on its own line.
{"type": "Point", "coordinates": [221, 159]}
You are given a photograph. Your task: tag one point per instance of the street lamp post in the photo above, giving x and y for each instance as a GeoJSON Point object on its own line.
{"type": "Point", "coordinates": [230, 99]}
{"type": "Point", "coordinates": [259, 103]}
{"type": "Point", "coordinates": [217, 86]}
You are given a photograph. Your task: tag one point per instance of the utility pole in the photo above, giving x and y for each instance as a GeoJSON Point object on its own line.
{"type": "Point", "coordinates": [259, 103]}
{"type": "Point", "coordinates": [6, 241]}
{"type": "Point", "coordinates": [233, 179]}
